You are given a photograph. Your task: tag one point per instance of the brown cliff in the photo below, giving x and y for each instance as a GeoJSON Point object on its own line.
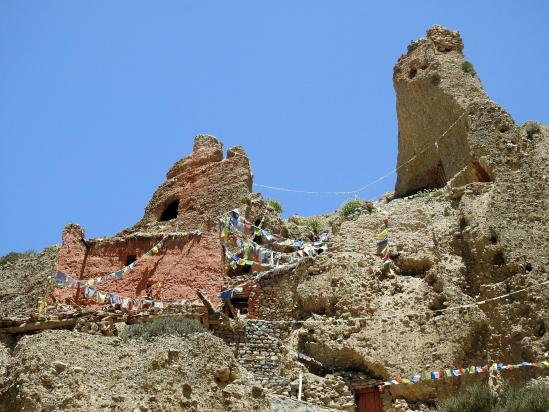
{"type": "Point", "coordinates": [354, 325]}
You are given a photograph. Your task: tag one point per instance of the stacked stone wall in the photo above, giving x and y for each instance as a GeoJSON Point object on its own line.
{"type": "Point", "coordinates": [259, 348]}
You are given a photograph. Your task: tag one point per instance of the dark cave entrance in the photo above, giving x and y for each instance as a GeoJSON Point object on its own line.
{"type": "Point", "coordinates": [236, 305]}
{"type": "Point", "coordinates": [170, 212]}
{"type": "Point", "coordinates": [130, 259]}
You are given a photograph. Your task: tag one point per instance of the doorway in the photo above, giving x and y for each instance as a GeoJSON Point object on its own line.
{"type": "Point", "coordinates": [368, 400]}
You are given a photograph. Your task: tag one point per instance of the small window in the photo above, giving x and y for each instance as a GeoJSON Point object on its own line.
{"type": "Point", "coordinates": [130, 259]}
{"type": "Point", "coordinates": [170, 212]}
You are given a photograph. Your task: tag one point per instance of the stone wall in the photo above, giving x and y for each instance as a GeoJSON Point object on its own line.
{"type": "Point", "coordinates": [259, 348]}
{"type": "Point", "coordinates": [274, 295]}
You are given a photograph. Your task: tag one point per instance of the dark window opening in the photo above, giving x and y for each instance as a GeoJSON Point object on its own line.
{"type": "Point", "coordinates": [170, 212]}
{"type": "Point", "coordinates": [240, 305]}
{"type": "Point", "coordinates": [130, 259]}
{"type": "Point", "coordinates": [240, 270]}
{"type": "Point", "coordinates": [481, 173]}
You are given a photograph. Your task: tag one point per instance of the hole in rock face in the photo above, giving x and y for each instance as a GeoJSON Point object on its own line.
{"type": "Point", "coordinates": [528, 267]}
{"type": "Point", "coordinates": [493, 238]}
{"type": "Point", "coordinates": [540, 329]}
{"type": "Point", "coordinates": [498, 259]}
{"type": "Point", "coordinates": [170, 212]}
{"type": "Point", "coordinates": [130, 259]}
{"type": "Point", "coordinates": [503, 128]}
{"type": "Point", "coordinates": [412, 73]}
{"type": "Point", "coordinates": [435, 80]}
{"type": "Point", "coordinates": [410, 266]}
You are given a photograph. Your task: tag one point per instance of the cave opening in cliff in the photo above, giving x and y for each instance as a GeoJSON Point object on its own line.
{"type": "Point", "coordinates": [130, 259]}
{"type": "Point", "coordinates": [170, 212]}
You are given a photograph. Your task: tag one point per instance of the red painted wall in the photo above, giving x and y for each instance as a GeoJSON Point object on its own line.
{"type": "Point", "coordinates": [184, 264]}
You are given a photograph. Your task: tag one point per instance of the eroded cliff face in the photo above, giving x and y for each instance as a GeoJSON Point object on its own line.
{"type": "Point", "coordinates": [62, 370]}
{"type": "Point", "coordinates": [485, 234]}
{"type": "Point", "coordinates": [440, 99]}
{"type": "Point", "coordinates": [198, 188]}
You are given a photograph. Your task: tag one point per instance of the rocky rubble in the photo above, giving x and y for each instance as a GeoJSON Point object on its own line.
{"type": "Point", "coordinates": [62, 370]}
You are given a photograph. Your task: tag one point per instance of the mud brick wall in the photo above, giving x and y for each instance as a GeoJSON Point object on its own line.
{"type": "Point", "coordinates": [183, 265]}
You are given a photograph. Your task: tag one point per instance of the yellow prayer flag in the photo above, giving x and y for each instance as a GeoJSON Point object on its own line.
{"type": "Point", "coordinates": [382, 235]}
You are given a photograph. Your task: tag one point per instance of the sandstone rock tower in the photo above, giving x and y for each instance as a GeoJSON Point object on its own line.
{"type": "Point", "coordinates": [437, 87]}
{"type": "Point", "coordinates": [199, 187]}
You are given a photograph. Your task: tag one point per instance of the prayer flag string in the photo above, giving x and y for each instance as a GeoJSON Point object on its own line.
{"type": "Point", "coordinates": [427, 376]}
{"type": "Point", "coordinates": [103, 297]}
{"type": "Point", "coordinates": [233, 230]}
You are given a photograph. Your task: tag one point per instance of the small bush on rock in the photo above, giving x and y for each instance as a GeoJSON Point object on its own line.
{"type": "Point", "coordinates": [533, 398]}
{"type": "Point", "coordinates": [475, 398]}
{"type": "Point", "coordinates": [350, 207]}
{"type": "Point", "coordinates": [162, 327]}
{"type": "Point", "coordinates": [314, 225]}
{"type": "Point", "coordinates": [467, 67]}
{"type": "Point", "coordinates": [276, 205]}
{"type": "Point", "coordinates": [430, 193]}
{"type": "Point", "coordinates": [532, 128]}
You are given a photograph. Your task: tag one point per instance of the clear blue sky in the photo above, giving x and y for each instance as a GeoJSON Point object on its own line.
{"type": "Point", "coordinates": [99, 98]}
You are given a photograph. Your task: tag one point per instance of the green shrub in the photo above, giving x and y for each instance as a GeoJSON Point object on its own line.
{"type": "Point", "coordinates": [475, 398]}
{"type": "Point", "coordinates": [430, 193]}
{"type": "Point", "coordinates": [276, 205]}
{"type": "Point", "coordinates": [532, 128]}
{"type": "Point", "coordinates": [467, 67]}
{"type": "Point", "coordinates": [479, 398]}
{"type": "Point", "coordinates": [533, 398]}
{"type": "Point", "coordinates": [314, 225]}
{"type": "Point", "coordinates": [350, 207]}
{"type": "Point", "coordinates": [162, 327]}
{"type": "Point", "coordinates": [14, 256]}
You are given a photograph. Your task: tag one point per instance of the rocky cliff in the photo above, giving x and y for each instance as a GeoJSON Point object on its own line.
{"type": "Point", "coordinates": [467, 222]}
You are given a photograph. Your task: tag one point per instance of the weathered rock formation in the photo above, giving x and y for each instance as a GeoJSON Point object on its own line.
{"type": "Point", "coordinates": [23, 281]}
{"type": "Point", "coordinates": [351, 324]}
{"type": "Point", "coordinates": [198, 189]}
{"type": "Point", "coordinates": [61, 370]}
{"type": "Point", "coordinates": [440, 99]}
